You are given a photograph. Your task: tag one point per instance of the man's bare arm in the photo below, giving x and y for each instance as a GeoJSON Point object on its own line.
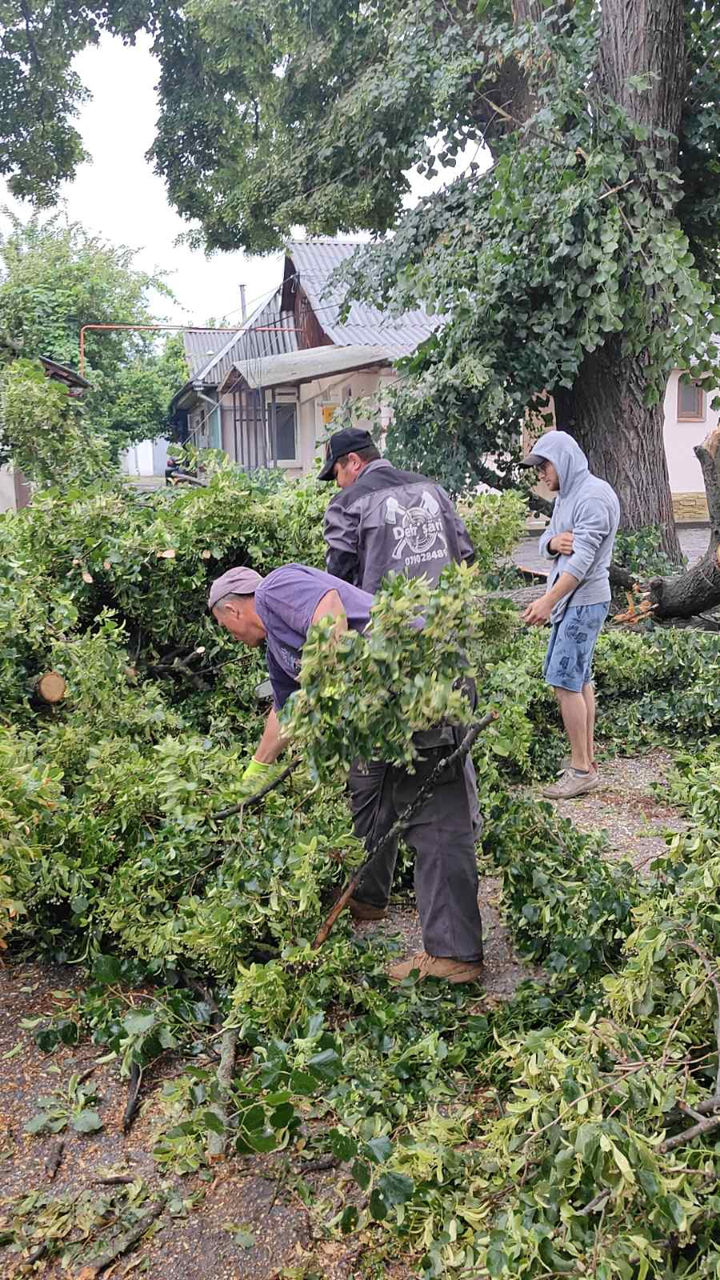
{"type": "Point", "coordinates": [539, 611]}
{"type": "Point", "coordinates": [272, 742]}
{"type": "Point", "coordinates": [331, 606]}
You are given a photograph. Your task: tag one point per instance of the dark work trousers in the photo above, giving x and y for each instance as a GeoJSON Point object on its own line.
{"type": "Point", "coordinates": [442, 836]}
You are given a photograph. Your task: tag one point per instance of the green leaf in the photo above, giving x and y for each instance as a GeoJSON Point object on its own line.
{"type": "Point", "coordinates": [349, 1219]}
{"type": "Point", "coordinates": [379, 1149]}
{"type": "Point", "coordinates": [342, 1145]}
{"type": "Point", "coordinates": [86, 1121]}
{"type": "Point", "coordinates": [107, 970]}
{"type": "Point", "coordinates": [395, 1188]}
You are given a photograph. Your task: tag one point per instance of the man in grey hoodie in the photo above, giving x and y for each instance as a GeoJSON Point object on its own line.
{"type": "Point", "coordinates": [579, 540]}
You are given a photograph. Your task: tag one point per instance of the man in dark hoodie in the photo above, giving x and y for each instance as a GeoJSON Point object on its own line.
{"type": "Point", "coordinates": [385, 520]}
{"type": "Point", "coordinates": [579, 540]}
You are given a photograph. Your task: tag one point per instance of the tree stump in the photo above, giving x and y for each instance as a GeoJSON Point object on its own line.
{"type": "Point", "coordinates": [51, 687]}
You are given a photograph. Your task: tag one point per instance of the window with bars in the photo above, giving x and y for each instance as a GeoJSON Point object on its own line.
{"type": "Point", "coordinates": [690, 402]}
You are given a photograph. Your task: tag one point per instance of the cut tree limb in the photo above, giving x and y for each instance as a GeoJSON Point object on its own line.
{"type": "Point", "coordinates": [217, 1142]}
{"type": "Point", "coordinates": [687, 594]}
{"type": "Point", "coordinates": [133, 1100]}
{"type": "Point", "coordinates": [696, 1131]}
{"type": "Point", "coordinates": [125, 1242]}
{"type": "Point", "coordinates": [51, 687]}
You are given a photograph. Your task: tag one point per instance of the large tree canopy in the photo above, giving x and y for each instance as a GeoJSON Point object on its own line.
{"type": "Point", "coordinates": [584, 263]}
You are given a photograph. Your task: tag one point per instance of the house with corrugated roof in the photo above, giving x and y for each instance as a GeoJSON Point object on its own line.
{"type": "Point", "coordinates": [267, 394]}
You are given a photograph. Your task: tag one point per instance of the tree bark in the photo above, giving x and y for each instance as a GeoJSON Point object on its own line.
{"type": "Point", "coordinates": [693, 592]}
{"type": "Point", "coordinates": [624, 439]}
{"type": "Point", "coordinates": [622, 436]}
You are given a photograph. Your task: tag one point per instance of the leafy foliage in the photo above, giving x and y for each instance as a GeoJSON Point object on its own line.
{"type": "Point", "coordinates": [54, 278]}
{"type": "Point", "coordinates": [545, 1134]}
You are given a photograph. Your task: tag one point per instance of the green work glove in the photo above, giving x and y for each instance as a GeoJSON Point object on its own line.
{"type": "Point", "coordinates": [257, 775]}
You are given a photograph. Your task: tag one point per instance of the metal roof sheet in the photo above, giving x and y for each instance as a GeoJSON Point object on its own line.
{"type": "Point", "coordinates": [314, 262]}
{"type": "Point", "coordinates": [268, 331]}
{"type": "Point", "coordinates": [304, 366]}
{"type": "Point", "coordinates": [200, 345]}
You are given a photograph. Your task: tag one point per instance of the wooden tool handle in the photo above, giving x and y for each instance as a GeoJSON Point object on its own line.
{"type": "Point", "coordinates": [325, 930]}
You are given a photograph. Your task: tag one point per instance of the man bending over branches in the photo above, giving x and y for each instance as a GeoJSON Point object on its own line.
{"type": "Point", "coordinates": [279, 610]}
{"type": "Point", "coordinates": [580, 540]}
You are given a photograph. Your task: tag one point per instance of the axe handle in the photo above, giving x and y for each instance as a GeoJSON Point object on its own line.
{"type": "Point", "coordinates": [397, 828]}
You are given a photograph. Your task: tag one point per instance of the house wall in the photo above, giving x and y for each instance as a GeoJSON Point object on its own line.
{"type": "Point", "coordinates": [681, 438]}
{"type": "Point", "coordinates": [7, 489]}
{"type": "Point", "coordinates": [319, 398]}
{"type": "Point", "coordinates": [138, 459]}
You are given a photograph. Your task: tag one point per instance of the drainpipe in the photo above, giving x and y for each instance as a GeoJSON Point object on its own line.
{"type": "Point", "coordinates": [208, 400]}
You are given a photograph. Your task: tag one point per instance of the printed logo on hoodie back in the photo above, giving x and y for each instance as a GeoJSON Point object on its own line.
{"type": "Point", "coordinates": [418, 530]}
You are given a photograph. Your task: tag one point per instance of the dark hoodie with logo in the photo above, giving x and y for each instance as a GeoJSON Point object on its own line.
{"type": "Point", "coordinates": [392, 521]}
{"type": "Point", "coordinates": [586, 506]}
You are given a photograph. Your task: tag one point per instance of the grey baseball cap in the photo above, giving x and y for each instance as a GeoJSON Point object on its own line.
{"type": "Point", "coordinates": [236, 582]}
{"type": "Point", "coordinates": [533, 460]}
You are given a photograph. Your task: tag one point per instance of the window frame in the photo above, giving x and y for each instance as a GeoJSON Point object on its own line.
{"type": "Point", "coordinates": [683, 416]}
{"type": "Point", "coordinates": [284, 398]}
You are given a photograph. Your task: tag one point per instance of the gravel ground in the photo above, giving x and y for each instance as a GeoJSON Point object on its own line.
{"type": "Point", "coordinates": [627, 808]}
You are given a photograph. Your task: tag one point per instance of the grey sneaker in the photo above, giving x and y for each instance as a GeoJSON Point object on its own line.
{"type": "Point", "coordinates": [571, 784]}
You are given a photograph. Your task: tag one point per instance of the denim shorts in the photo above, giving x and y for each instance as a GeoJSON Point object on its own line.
{"type": "Point", "coordinates": [568, 662]}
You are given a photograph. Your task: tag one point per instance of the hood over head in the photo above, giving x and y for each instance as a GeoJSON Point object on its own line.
{"type": "Point", "coordinates": [566, 456]}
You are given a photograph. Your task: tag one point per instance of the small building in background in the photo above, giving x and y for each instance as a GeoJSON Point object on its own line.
{"type": "Point", "coordinates": [267, 394]}
{"type": "Point", "coordinates": [15, 492]}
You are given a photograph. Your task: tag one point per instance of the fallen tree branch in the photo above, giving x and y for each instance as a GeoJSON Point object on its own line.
{"type": "Point", "coordinates": [251, 801]}
{"type": "Point", "coordinates": [714, 977]}
{"type": "Point", "coordinates": [708, 1106]}
{"type": "Point", "coordinates": [133, 1100]}
{"type": "Point", "coordinates": [125, 1242]}
{"type": "Point", "coordinates": [686, 594]}
{"type": "Point", "coordinates": [54, 1156]}
{"type": "Point", "coordinates": [217, 1142]}
{"type": "Point", "coordinates": [695, 1131]}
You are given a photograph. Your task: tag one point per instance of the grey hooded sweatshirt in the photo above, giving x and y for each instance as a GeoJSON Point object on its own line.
{"type": "Point", "coordinates": [589, 508]}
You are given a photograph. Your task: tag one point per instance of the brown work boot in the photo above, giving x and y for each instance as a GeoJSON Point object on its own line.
{"type": "Point", "coordinates": [365, 910]}
{"type": "Point", "coordinates": [571, 784]}
{"type": "Point", "coordinates": [444, 967]}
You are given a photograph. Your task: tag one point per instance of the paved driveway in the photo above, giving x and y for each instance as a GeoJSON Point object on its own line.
{"type": "Point", "coordinates": [693, 540]}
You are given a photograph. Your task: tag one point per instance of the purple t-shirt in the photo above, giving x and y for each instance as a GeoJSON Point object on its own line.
{"type": "Point", "coordinates": [286, 601]}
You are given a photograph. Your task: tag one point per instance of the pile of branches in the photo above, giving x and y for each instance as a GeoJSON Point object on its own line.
{"type": "Point", "coordinates": [570, 1130]}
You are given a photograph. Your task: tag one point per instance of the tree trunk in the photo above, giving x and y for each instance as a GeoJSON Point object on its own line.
{"type": "Point", "coordinates": [622, 436]}
{"type": "Point", "coordinates": [624, 439]}
{"type": "Point", "coordinates": [691, 593]}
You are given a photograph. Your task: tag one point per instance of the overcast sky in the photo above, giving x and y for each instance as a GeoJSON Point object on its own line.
{"type": "Point", "coordinates": [118, 195]}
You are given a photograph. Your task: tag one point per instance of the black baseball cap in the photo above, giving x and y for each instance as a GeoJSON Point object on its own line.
{"type": "Point", "coordinates": [351, 440]}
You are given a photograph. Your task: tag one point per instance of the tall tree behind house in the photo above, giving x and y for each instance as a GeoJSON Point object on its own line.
{"type": "Point", "coordinates": [585, 262]}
